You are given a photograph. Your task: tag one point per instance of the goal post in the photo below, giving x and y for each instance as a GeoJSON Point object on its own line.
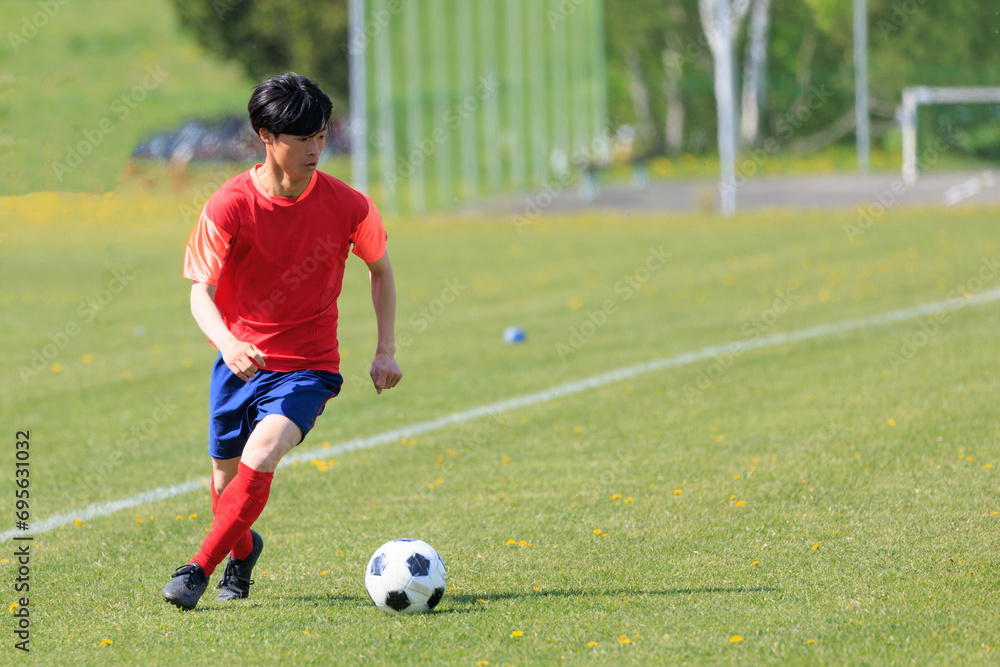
{"type": "Point", "coordinates": [914, 97]}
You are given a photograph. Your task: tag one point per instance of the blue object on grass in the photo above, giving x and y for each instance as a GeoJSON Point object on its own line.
{"type": "Point", "coordinates": [512, 335]}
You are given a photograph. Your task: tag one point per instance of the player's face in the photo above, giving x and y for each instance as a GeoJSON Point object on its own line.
{"type": "Point", "coordinates": [297, 155]}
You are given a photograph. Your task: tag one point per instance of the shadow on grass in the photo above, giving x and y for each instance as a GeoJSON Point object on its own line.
{"type": "Point", "coordinates": [473, 603]}
{"type": "Point", "coordinates": [467, 599]}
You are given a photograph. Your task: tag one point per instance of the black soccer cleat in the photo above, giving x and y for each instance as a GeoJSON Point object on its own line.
{"type": "Point", "coordinates": [235, 582]}
{"type": "Point", "coordinates": [186, 587]}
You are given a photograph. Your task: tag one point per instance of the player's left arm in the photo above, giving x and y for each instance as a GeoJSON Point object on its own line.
{"type": "Point", "coordinates": [385, 371]}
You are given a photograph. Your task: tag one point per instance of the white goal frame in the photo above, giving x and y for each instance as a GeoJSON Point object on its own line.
{"type": "Point", "coordinates": [914, 97]}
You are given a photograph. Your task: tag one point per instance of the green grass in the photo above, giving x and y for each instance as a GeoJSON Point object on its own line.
{"type": "Point", "coordinates": [73, 81]}
{"type": "Point", "coordinates": [789, 448]}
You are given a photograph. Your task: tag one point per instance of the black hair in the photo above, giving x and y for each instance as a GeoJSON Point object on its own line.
{"type": "Point", "coordinates": [289, 104]}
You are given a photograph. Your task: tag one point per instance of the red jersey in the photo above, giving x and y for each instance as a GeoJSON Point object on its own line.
{"type": "Point", "coordinates": [278, 263]}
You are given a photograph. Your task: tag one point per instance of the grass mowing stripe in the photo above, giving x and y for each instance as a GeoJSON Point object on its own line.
{"type": "Point", "coordinates": [575, 387]}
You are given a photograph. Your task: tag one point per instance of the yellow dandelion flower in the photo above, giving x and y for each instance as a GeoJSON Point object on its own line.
{"type": "Point", "coordinates": [4, 560]}
{"type": "Point", "coordinates": [677, 492]}
{"type": "Point", "coordinates": [735, 639]}
{"type": "Point", "coordinates": [483, 663]}
{"type": "Point", "coordinates": [591, 643]}
{"type": "Point", "coordinates": [193, 516]}
{"type": "Point", "coordinates": [576, 303]}
{"type": "Point", "coordinates": [430, 485]}
{"type": "Point", "coordinates": [969, 459]}
{"type": "Point", "coordinates": [139, 521]}
{"type": "Point", "coordinates": [525, 420]}
{"type": "Point", "coordinates": [816, 546]}
{"type": "Point", "coordinates": [451, 453]}
{"type": "Point", "coordinates": [736, 478]}
{"type": "Point", "coordinates": [105, 642]}
{"type": "Point", "coordinates": [322, 573]}
{"type": "Point", "coordinates": [623, 639]}
{"type": "Point", "coordinates": [179, 517]}
{"type": "Point", "coordinates": [524, 543]}
{"type": "Point", "coordinates": [755, 460]}
{"type": "Point", "coordinates": [506, 459]}
{"type": "Point", "coordinates": [756, 562]}
{"type": "Point", "coordinates": [78, 522]}
{"type": "Point", "coordinates": [628, 500]}
{"type": "Point", "coordinates": [577, 429]}
{"type": "Point", "coordinates": [740, 503]}
{"type": "Point", "coordinates": [720, 438]}
{"type": "Point", "coordinates": [810, 641]}
{"type": "Point", "coordinates": [481, 600]}
{"type": "Point", "coordinates": [305, 632]}
{"type": "Point", "coordinates": [891, 422]}
{"type": "Point", "coordinates": [598, 531]}
{"type": "Point", "coordinates": [264, 572]}
{"type": "Point", "coordinates": [616, 496]}
{"type": "Point", "coordinates": [331, 463]}
{"type": "Point", "coordinates": [511, 542]}
{"type": "Point", "coordinates": [57, 367]}
{"type": "Point", "coordinates": [537, 589]}
{"type": "Point", "coordinates": [87, 359]}
{"type": "Point", "coordinates": [604, 534]}
{"type": "Point", "coordinates": [987, 465]}
{"type": "Point", "coordinates": [517, 633]}
{"type": "Point", "coordinates": [13, 607]}
{"type": "Point", "coordinates": [439, 481]}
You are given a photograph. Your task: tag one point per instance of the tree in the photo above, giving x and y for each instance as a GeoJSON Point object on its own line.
{"type": "Point", "coordinates": [273, 36]}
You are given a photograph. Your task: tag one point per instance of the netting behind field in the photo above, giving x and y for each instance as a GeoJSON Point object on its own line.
{"type": "Point", "coordinates": [471, 97]}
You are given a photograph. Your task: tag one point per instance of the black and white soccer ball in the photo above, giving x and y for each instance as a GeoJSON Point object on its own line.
{"type": "Point", "coordinates": [405, 576]}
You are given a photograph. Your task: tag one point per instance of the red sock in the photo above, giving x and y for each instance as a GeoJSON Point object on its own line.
{"type": "Point", "coordinates": [239, 506]}
{"type": "Point", "coordinates": [244, 545]}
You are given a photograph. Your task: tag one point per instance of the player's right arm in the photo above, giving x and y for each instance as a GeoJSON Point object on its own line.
{"type": "Point", "coordinates": [206, 253]}
{"type": "Point", "coordinates": [242, 358]}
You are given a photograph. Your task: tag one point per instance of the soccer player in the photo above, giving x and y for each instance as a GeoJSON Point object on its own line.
{"type": "Point", "coordinates": [267, 263]}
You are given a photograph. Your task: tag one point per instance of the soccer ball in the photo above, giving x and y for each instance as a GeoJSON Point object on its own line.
{"type": "Point", "coordinates": [405, 576]}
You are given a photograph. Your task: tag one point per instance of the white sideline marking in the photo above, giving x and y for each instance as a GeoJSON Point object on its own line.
{"type": "Point", "coordinates": [156, 495]}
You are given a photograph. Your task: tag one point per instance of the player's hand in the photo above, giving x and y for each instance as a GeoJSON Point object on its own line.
{"type": "Point", "coordinates": [243, 359]}
{"type": "Point", "coordinates": [385, 372]}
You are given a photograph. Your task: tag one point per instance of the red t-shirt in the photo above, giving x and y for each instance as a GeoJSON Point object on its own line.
{"type": "Point", "coordinates": [278, 263]}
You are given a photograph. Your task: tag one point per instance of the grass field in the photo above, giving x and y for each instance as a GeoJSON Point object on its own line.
{"type": "Point", "coordinates": [832, 500]}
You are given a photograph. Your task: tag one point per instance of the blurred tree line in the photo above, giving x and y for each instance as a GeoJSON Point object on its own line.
{"type": "Point", "coordinates": [794, 63]}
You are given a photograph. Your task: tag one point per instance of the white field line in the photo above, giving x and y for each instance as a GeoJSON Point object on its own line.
{"type": "Point", "coordinates": [156, 495]}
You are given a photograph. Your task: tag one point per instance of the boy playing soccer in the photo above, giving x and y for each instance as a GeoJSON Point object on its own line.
{"type": "Point", "coordinates": [267, 260]}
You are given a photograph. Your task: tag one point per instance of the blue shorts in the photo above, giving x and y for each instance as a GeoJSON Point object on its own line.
{"type": "Point", "coordinates": [236, 406]}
